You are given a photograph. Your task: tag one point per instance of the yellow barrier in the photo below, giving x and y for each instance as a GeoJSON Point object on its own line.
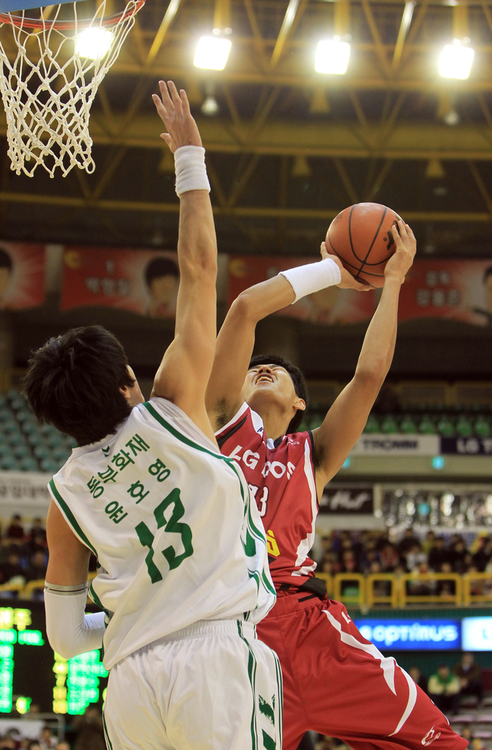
{"type": "Point", "coordinates": [347, 594]}
{"type": "Point", "coordinates": [373, 596]}
{"type": "Point", "coordinates": [477, 587]}
{"type": "Point", "coordinates": [426, 588]}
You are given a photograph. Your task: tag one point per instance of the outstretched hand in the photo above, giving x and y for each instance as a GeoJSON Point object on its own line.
{"type": "Point", "coordinates": [406, 247]}
{"type": "Point", "coordinates": [347, 281]}
{"type": "Point", "coordinates": [174, 110]}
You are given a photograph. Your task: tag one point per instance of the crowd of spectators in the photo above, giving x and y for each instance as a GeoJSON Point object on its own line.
{"type": "Point", "coordinates": [85, 732]}
{"type": "Point", "coordinates": [23, 551]}
{"type": "Point", "coordinates": [374, 552]}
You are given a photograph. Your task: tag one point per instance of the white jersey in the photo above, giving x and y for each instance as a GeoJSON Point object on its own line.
{"type": "Point", "coordinates": [172, 525]}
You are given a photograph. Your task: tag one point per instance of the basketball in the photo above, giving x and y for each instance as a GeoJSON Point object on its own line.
{"type": "Point", "coordinates": [363, 238]}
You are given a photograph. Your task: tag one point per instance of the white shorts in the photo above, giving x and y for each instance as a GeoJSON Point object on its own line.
{"type": "Point", "coordinates": [212, 686]}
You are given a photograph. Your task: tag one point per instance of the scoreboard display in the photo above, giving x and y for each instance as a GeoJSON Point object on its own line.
{"type": "Point", "coordinates": [30, 672]}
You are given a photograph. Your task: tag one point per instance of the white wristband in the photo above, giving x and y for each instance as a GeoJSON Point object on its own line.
{"type": "Point", "coordinates": [191, 173]}
{"type": "Point", "coordinates": [312, 277]}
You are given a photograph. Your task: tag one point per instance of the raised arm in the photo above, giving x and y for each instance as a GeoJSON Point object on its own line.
{"type": "Point", "coordinates": [346, 419]}
{"type": "Point", "coordinates": [183, 374]}
{"type": "Point", "coordinates": [236, 339]}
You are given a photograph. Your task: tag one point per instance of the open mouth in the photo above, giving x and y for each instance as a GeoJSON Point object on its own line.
{"type": "Point", "coordinates": [263, 378]}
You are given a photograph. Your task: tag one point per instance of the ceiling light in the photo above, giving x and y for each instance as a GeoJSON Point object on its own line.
{"type": "Point", "coordinates": [210, 106]}
{"type": "Point", "coordinates": [456, 60]}
{"type": "Point", "coordinates": [451, 118]}
{"type": "Point", "coordinates": [212, 53]}
{"type": "Point", "coordinates": [332, 56]}
{"type": "Point", "coordinates": [93, 43]}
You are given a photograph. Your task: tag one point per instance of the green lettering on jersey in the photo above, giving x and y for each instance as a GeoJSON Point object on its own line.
{"type": "Point", "coordinates": [173, 526]}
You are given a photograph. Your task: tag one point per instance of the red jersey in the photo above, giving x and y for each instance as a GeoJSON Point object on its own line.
{"type": "Point", "coordinates": [280, 475]}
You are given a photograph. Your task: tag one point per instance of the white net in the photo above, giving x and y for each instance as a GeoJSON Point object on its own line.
{"type": "Point", "coordinates": [49, 87]}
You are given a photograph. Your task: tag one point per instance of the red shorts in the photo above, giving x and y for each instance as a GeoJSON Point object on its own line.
{"type": "Point", "coordinates": [339, 684]}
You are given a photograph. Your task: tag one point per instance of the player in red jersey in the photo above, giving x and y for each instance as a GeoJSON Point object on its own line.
{"type": "Point", "coordinates": [335, 681]}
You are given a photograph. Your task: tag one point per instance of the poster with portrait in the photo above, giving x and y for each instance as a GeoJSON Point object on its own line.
{"type": "Point", "coordinates": [140, 281]}
{"type": "Point", "coordinates": [22, 275]}
{"type": "Point", "coordinates": [329, 306]}
{"type": "Point", "coordinates": [452, 289]}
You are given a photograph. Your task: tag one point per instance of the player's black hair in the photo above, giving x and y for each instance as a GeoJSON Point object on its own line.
{"type": "Point", "coordinates": [297, 378]}
{"type": "Point", "coordinates": [487, 273]}
{"type": "Point", "coordinates": [5, 259]}
{"type": "Point", "coordinates": [73, 382]}
{"type": "Point", "coordinates": [158, 267]}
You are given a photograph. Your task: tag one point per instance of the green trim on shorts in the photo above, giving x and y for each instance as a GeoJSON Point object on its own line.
{"type": "Point", "coordinates": [70, 517]}
{"type": "Point", "coordinates": [106, 734]}
{"type": "Point", "coordinates": [252, 681]}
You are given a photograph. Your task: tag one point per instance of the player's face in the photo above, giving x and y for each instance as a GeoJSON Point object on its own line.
{"type": "Point", "coordinates": [133, 394]}
{"type": "Point", "coordinates": [267, 383]}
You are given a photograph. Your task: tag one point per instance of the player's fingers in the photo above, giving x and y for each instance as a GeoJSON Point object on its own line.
{"type": "Point", "coordinates": [178, 106]}
{"type": "Point", "coordinates": [323, 251]}
{"type": "Point", "coordinates": [184, 102]}
{"type": "Point", "coordinates": [159, 106]}
{"type": "Point", "coordinates": [166, 99]}
{"type": "Point", "coordinates": [166, 137]}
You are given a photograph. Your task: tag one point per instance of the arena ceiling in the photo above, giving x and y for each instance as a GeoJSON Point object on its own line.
{"type": "Point", "coordinates": [288, 148]}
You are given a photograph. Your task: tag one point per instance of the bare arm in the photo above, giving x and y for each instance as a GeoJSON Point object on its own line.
{"type": "Point", "coordinates": [68, 562]}
{"type": "Point", "coordinates": [186, 366]}
{"type": "Point", "coordinates": [346, 419]}
{"type": "Point", "coordinates": [236, 339]}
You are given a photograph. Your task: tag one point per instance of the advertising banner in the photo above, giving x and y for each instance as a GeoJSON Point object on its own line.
{"type": "Point", "coordinates": [140, 281]}
{"type": "Point", "coordinates": [397, 445]}
{"type": "Point", "coordinates": [454, 289]}
{"type": "Point", "coordinates": [22, 275]}
{"type": "Point", "coordinates": [345, 500]}
{"type": "Point", "coordinates": [412, 635]}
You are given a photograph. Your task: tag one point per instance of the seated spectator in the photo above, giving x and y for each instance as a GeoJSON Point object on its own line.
{"type": "Point", "coordinates": [475, 743]}
{"type": "Point", "coordinates": [408, 541]}
{"type": "Point", "coordinates": [36, 537]}
{"type": "Point", "coordinates": [349, 563]}
{"type": "Point", "coordinates": [470, 676]}
{"type": "Point", "coordinates": [483, 554]}
{"type": "Point", "coordinates": [14, 533]}
{"type": "Point", "coordinates": [438, 555]}
{"type": "Point", "coordinates": [12, 571]}
{"type": "Point", "coordinates": [428, 542]}
{"type": "Point", "coordinates": [389, 557]}
{"type": "Point", "coordinates": [47, 739]}
{"type": "Point", "coordinates": [37, 568]}
{"type": "Point", "coordinates": [89, 729]}
{"type": "Point", "coordinates": [444, 690]}
{"type": "Point", "coordinates": [418, 678]}
{"type": "Point", "coordinates": [420, 587]}
{"type": "Point", "coordinates": [414, 557]}
{"type": "Point", "coordinates": [446, 589]}
{"type": "Point", "coordinates": [458, 554]}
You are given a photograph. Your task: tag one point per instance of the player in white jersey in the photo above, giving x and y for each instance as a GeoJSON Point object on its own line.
{"type": "Point", "coordinates": [183, 573]}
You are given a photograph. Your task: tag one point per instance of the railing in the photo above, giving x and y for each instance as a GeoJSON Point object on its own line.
{"type": "Point", "coordinates": [376, 589]}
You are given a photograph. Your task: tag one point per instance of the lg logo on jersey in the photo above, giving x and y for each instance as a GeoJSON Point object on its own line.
{"type": "Point", "coordinates": [430, 737]}
{"type": "Point", "coordinates": [251, 458]}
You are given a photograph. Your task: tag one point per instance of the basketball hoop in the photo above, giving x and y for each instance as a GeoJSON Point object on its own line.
{"type": "Point", "coordinates": [49, 88]}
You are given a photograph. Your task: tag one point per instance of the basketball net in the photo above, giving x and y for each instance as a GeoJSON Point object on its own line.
{"type": "Point", "coordinates": [49, 88]}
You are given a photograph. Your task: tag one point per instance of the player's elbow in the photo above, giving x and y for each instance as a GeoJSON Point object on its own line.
{"type": "Point", "coordinates": [372, 376]}
{"type": "Point", "coordinates": [62, 645]}
{"type": "Point", "coordinates": [244, 308]}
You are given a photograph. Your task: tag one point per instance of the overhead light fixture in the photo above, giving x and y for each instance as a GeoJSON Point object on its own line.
{"type": "Point", "coordinates": [210, 106]}
{"type": "Point", "coordinates": [93, 43]}
{"type": "Point", "coordinates": [212, 52]}
{"type": "Point", "coordinates": [301, 167]}
{"type": "Point", "coordinates": [434, 170]}
{"type": "Point", "coordinates": [456, 60]}
{"type": "Point", "coordinates": [332, 56]}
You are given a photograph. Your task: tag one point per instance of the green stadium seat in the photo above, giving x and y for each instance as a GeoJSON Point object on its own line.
{"type": "Point", "coordinates": [481, 426]}
{"type": "Point", "coordinates": [8, 463]}
{"type": "Point", "coordinates": [426, 425]}
{"type": "Point", "coordinates": [28, 464]}
{"type": "Point", "coordinates": [50, 466]}
{"type": "Point", "coordinates": [389, 424]}
{"type": "Point", "coordinates": [445, 426]}
{"type": "Point", "coordinates": [42, 452]}
{"type": "Point", "coordinates": [408, 425]}
{"type": "Point", "coordinates": [60, 455]}
{"type": "Point", "coordinates": [372, 424]}
{"type": "Point", "coordinates": [464, 426]}
{"type": "Point", "coordinates": [55, 440]}
{"type": "Point", "coordinates": [35, 438]}
{"type": "Point", "coordinates": [21, 451]}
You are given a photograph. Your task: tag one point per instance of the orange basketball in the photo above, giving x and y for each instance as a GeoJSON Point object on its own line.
{"type": "Point", "coordinates": [363, 238]}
